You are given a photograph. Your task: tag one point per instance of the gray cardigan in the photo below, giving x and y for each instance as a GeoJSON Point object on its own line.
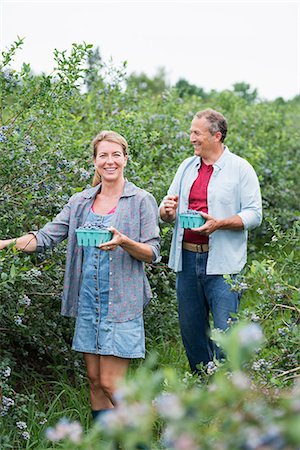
{"type": "Point", "coordinates": [136, 216]}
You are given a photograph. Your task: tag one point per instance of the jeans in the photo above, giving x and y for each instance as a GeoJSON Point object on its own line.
{"type": "Point", "coordinates": [198, 295]}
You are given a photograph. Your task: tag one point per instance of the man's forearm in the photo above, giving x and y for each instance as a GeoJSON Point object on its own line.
{"type": "Point", "coordinates": [231, 223]}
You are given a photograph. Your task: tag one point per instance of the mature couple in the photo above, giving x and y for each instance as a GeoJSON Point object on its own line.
{"type": "Point", "coordinates": [106, 287]}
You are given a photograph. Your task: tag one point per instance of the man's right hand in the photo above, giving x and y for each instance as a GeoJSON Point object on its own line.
{"type": "Point", "coordinates": [169, 207]}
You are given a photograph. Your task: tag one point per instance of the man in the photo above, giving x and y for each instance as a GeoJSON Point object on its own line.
{"type": "Point", "coordinates": [225, 189]}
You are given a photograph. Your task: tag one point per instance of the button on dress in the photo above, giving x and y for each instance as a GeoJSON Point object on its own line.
{"type": "Point", "coordinates": [93, 332]}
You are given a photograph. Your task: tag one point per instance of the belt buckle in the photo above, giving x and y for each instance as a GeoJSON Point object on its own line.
{"type": "Point", "coordinates": [199, 248]}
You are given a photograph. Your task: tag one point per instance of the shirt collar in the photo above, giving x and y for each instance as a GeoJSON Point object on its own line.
{"type": "Point", "coordinates": [129, 190]}
{"type": "Point", "coordinates": [219, 164]}
{"type": "Point", "coordinates": [92, 192]}
{"type": "Point", "coordinates": [222, 160]}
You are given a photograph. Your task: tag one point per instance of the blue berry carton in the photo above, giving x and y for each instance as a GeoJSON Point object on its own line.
{"type": "Point", "coordinates": [191, 219]}
{"type": "Point", "coordinates": [89, 237]}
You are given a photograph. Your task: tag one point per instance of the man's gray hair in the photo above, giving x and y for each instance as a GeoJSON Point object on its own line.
{"type": "Point", "coordinates": [216, 120]}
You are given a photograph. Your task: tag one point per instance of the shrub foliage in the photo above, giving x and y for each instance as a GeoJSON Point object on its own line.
{"type": "Point", "coordinates": [47, 123]}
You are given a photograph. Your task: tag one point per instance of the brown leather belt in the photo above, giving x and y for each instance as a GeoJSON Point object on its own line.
{"type": "Point", "coordinates": [197, 248]}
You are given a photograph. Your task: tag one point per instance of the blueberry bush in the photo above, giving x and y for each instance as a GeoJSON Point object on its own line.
{"type": "Point", "coordinates": [47, 123]}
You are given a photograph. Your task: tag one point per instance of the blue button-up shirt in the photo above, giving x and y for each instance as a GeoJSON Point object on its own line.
{"type": "Point", "coordinates": [233, 189]}
{"type": "Point", "coordinates": [136, 216]}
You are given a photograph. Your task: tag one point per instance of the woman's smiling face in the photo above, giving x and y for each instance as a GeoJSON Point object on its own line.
{"type": "Point", "coordinates": [110, 161]}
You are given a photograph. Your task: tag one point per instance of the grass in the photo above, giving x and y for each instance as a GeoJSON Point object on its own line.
{"type": "Point", "coordinates": [52, 400]}
{"type": "Point", "coordinates": [69, 398]}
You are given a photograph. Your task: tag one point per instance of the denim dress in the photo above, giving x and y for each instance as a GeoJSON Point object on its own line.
{"type": "Point", "coordinates": [93, 332]}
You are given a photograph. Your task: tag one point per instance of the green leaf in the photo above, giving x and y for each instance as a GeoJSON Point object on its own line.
{"type": "Point", "coordinates": [12, 273]}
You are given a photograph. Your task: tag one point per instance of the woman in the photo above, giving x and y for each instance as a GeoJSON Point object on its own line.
{"type": "Point", "coordinates": [105, 287]}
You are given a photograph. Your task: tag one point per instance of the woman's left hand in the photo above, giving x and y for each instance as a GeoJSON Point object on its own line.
{"type": "Point", "coordinates": [117, 239]}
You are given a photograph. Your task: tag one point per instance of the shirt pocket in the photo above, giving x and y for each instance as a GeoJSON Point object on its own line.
{"type": "Point", "coordinates": [226, 193]}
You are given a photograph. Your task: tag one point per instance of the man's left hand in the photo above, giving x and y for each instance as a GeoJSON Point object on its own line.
{"type": "Point", "coordinates": [209, 227]}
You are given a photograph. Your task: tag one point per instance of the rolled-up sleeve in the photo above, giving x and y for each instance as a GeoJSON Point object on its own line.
{"type": "Point", "coordinates": [251, 204]}
{"type": "Point", "coordinates": [149, 233]}
{"type": "Point", "coordinates": [55, 231]}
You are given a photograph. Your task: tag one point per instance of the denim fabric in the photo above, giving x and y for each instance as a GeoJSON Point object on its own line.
{"type": "Point", "coordinates": [233, 189]}
{"type": "Point", "coordinates": [199, 294]}
{"type": "Point", "coordinates": [94, 333]}
{"type": "Point", "coordinates": [136, 216]}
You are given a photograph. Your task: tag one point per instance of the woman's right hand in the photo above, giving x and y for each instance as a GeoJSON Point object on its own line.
{"type": "Point", "coordinates": [5, 242]}
{"type": "Point", "coordinates": [26, 243]}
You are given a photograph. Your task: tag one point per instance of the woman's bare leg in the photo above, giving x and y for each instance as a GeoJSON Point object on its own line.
{"type": "Point", "coordinates": [98, 398]}
{"type": "Point", "coordinates": [112, 370]}
{"type": "Point", "coordinates": [103, 373]}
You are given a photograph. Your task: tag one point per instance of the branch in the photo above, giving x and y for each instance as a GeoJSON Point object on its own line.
{"type": "Point", "coordinates": [294, 308]}
{"type": "Point", "coordinates": [287, 372]}
{"type": "Point", "coordinates": [293, 376]}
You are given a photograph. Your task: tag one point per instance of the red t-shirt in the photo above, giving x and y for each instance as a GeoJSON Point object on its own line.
{"type": "Point", "coordinates": [198, 201]}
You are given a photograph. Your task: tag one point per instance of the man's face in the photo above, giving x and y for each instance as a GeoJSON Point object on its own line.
{"type": "Point", "coordinates": [200, 137]}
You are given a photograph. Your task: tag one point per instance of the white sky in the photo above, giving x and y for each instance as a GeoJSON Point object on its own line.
{"type": "Point", "coordinates": [211, 44]}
